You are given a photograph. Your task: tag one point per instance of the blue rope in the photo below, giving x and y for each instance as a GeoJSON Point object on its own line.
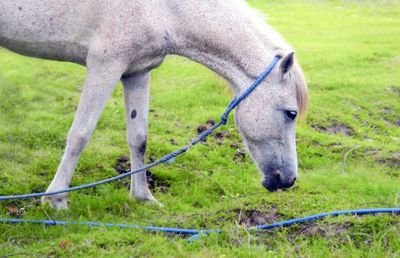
{"type": "Point", "coordinates": [196, 234]}
{"type": "Point", "coordinates": [167, 158]}
{"type": "Point", "coordinates": [110, 225]}
{"type": "Point", "coordinates": [287, 223]}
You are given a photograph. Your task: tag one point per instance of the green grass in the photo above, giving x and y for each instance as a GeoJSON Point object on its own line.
{"type": "Point", "coordinates": [350, 53]}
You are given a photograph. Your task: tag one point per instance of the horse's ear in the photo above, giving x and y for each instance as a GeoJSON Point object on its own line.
{"type": "Point", "coordinates": [287, 63]}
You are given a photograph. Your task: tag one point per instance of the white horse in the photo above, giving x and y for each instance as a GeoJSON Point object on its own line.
{"type": "Point", "coordinates": [126, 39]}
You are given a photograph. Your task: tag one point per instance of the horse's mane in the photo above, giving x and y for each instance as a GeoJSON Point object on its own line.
{"type": "Point", "coordinates": [277, 45]}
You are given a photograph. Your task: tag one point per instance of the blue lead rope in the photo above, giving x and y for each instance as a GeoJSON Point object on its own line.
{"type": "Point", "coordinates": [195, 233]}
{"type": "Point", "coordinates": [169, 158]}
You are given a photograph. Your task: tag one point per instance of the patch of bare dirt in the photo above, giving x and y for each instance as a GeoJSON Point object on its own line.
{"type": "Point", "coordinates": [155, 183]}
{"type": "Point", "coordinates": [325, 230]}
{"type": "Point", "coordinates": [234, 145]}
{"type": "Point", "coordinates": [393, 161]}
{"type": "Point", "coordinates": [13, 210]}
{"type": "Point", "coordinates": [210, 122]}
{"type": "Point", "coordinates": [372, 151]}
{"type": "Point", "coordinates": [122, 165]}
{"type": "Point", "coordinates": [340, 129]}
{"type": "Point", "coordinates": [335, 128]}
{"type": "Point", "coordinates": [253, 217]}
{"type": "Point", "coordinates": [219, 136]}
{"type": "Point", "coordinates": [395, 89]}
{"type": "Point", "coordinates": [222, 134]}
{"type": "Point", "coordinates": [173, 142]}
{"type": "Point", "coordinates": [240, 155]}
{"type": "Point", "coordinates": [388, 122]}
{"type": "Point", "coordinates": [203, 127]}
{"type": "Point", "coordinates": [387, 110]}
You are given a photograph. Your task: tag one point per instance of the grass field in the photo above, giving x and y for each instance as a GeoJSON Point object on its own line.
{"type": "Point", "coordinates": [348, 148]}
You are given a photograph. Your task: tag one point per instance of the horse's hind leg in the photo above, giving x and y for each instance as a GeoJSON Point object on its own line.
{"type": "Point", "coordinates": [136, 94]}
{"type": "Point", "coordinates": [101, 80]}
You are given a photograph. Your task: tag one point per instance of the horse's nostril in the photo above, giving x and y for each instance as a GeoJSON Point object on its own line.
{"type": "Point", "coordinates": [278, 177]}
{"type": "Point", "coordinates": [291, 181]}
{"type": "Point", "coordinates": [283, 182]}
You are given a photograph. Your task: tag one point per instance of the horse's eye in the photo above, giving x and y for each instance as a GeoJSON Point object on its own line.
{"type": "Point", "coordinates": [291, 114]}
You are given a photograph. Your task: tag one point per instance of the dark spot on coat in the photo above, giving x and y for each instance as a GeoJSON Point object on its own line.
{"type": "Point", "coordinates": [133, 114]}
{"type": "Point", "coordinates": [142, 147]}
{"type": "Point", "coordinates": [20, 8]}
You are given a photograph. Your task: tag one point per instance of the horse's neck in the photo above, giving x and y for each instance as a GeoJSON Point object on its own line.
{"type": "Point", "coordinates": [219, 37]}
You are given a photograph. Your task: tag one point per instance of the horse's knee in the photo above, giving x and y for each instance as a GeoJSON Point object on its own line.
{"type": "Point", "coordinates": [142, 146]}
{"type": "Point", "coordinates": [77, 140]}
{"type": "Point", "coordinates": [138, 144]}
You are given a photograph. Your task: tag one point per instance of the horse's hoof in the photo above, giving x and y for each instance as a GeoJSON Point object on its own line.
{"type": "Point", "coordinates": [59, 202]}
{"type": "Point", "coordinates": [148, 199]}
{"type": "Point", "coordinates": [154, 202]}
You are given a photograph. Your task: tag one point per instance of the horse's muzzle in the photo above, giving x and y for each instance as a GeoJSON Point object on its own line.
{"type": "Point", "coordinates": [277, 180]}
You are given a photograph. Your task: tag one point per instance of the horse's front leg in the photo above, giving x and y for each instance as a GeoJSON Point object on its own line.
{"type": "Point", "coordinates": [101, 79]}
{"type": "Point", "coordinates": [136, 94]}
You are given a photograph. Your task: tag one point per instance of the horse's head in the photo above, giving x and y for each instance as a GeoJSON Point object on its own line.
{"type": "Point", "coordinates": [267, 121]}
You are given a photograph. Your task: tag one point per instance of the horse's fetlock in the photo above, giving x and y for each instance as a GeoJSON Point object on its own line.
{"type": "Point", "coordinates": [58, 202]}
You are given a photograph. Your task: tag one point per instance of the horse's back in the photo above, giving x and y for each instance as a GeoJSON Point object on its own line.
{"type": "Point", "coordinates": [67, 30]}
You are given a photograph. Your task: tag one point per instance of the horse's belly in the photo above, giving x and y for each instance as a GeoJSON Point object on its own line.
{"type": "Point", "coordinates": [61, 51]}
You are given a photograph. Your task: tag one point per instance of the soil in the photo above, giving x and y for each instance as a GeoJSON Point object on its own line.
{"type": "Point", "coordinates": [393, 161]}
{"type": "Point", "coordinates": [219, 136]}
{"type": "Point", "coordinates": [240, 155]}
{"type": "Point", "coordinates": [234, 145]}
{"type": "Point", "coordinates": [395, 89]}
{"type": "Point", "coordinates": [335, 128]}
{"type": "Point", "coordinates": [253, 217]}
{"type": "Point", "coordinates": [14, 211]}
{"type": "Point", "coordinates": [222, 135]}
{"type": "Point", "coordinates": [326, 229]}
{"type": "Point", "coordinates": [201, 128]}
{"type": "Point", "coordinates": [155, 183]}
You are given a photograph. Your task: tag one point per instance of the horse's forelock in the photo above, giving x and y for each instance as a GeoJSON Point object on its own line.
{"type": "Point", "coordinates": [301, 89]}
